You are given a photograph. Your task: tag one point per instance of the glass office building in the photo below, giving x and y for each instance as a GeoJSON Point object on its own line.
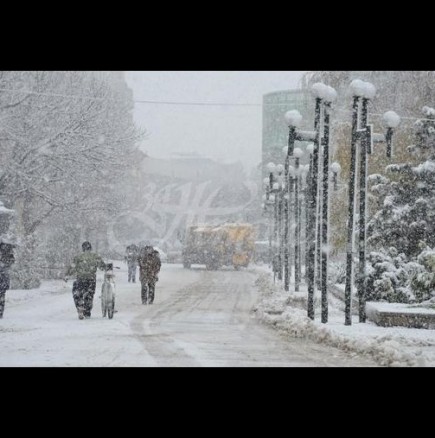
{"type": "Point", "coordinates": [275, 129]}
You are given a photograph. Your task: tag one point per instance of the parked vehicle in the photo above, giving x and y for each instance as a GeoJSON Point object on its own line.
{"type": "Point", "coordinates": [230, 244]}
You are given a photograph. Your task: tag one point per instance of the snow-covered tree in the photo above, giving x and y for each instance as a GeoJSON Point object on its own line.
{"type": "Point", "coordinates": [67, 142]}
{"type": "Point", "coordinates": [405, 220]}
{"type": "Point", "coordinates": [405, 92]}
{"type": "Point", "coordinates": [407, 198]}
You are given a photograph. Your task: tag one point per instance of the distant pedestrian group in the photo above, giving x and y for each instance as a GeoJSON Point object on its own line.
{"type": "Point", "coordinates": [84, 267]}
{"type": "Point", "coordinates": [148, 260]}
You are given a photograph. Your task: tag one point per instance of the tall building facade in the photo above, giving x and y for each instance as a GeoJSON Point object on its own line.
{"type": "Point", "coordinates": [275, 129]}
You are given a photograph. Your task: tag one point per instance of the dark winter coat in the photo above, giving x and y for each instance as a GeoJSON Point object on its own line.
{"type": "Point", "coordinates": [131, 256]}
{"type": "Point", "coordinates": [149, 266]}
{"type": "Point", "coordinates": [85, 265]}
{"type": "Point", "coordinates": [7, 258]}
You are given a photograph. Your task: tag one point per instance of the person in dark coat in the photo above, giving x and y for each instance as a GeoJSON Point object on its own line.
{"type": "Point", "coordinates": [7, 259]}
{"type": "Point", "coordinates": [149, 267]}
{"type": "Point", "coordinates": [84, 267]}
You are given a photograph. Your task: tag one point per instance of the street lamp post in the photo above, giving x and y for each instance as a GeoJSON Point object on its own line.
{"type": "Point", "coordinates": [309, 136]}
{"type": "Point", "coordinates": [319, 221]}
{"type": "Point", "coordinates": [280, 180]}
{"type": "Point", "coordinates": [391, 121]}
{"type": "Point", "coordinates": [362, 93]}
{"type": "Point", "coordinates": [294, 120]}
{"type": "Point", "coordinates": [271, 168]}
{"type": "Point", "coordinates": [310, 149]}
{"type": "Point", "coordinates": [275, 196]}
{"type": "Point", "coordinates": [298, 155]}
{"type": "Point", "coordinates": [311, 236]}
{"type": "Point", "coordinates": [292, 206]}
{"type": "Point", "coordinates": [335, 169]}
{"type": "Point", "coordinates": [304, 169]}
{"type": "Point", "coordinates": [326, 95]}
{"type": "Point", "coordinates": [357, 92]}
{"type": "Point", "coordinates": [286, 243]}
{"type": "Point", "coordinates": [288, 184]}
{"type": "Point", "coordinates": [364, 149]}
{"type": "Point", "coordinates": [325, 207]}
{"type": "Point", "coordinates": [266, 210]}
{"type": "Point", "coordinates": [277, 189]}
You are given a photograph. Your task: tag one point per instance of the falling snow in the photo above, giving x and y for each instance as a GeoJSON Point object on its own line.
{"type": "Point", "coordinates": [252, 190]}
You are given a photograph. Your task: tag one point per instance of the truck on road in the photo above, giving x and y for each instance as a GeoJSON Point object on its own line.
{"type": "Point", "coordinates": [229, 244]}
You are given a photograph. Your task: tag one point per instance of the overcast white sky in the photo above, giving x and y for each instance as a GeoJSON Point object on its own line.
{"type": "Point", "coordinates": [224, 133]}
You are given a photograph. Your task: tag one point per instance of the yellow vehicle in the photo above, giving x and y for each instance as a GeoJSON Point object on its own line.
{"type": "Point", "coordinates": [230, 244]}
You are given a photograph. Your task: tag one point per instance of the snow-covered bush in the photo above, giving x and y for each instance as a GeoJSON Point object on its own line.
{"type": "Point", "coordinates": [388, 277]}
{"type": "Point", "coordinates": [423, 283]}
{"type": "Point", "coordinates": [406, 210]}
{"type": "Point", "coordinates": [405, 223]}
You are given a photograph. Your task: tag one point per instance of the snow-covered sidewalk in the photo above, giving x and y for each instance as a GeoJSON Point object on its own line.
{"type": "Point", "coordinates": [388, 346]}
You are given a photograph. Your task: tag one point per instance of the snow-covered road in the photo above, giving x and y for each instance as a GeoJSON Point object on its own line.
{"type": "Point", "coordinates": [199, 318]}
